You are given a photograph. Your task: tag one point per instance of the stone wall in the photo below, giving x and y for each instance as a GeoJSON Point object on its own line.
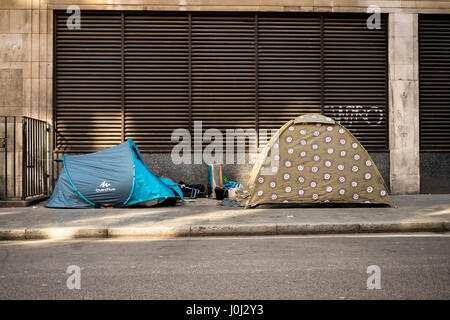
{"type": "Point", "coordinates": [394, 6]}
{"type": "Point", "coordinates": [25, 53]}
{"type": "Point", "coordinates": [26, 37]}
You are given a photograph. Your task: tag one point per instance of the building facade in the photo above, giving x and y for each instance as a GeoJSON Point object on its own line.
{"type": "Point", "coordinates": [141, 69]}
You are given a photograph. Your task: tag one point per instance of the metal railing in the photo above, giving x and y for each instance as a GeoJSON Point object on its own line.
{"type": "Point", "coordinates": [24, 158]}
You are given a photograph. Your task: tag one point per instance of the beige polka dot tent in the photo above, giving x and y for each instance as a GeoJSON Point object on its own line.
{"type": "Point", "coordinates": [314, 159]}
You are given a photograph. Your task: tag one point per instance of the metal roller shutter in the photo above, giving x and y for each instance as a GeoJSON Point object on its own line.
{"type": "Point", "coordinates": [142, 75]}
{"type": "Point", "coordinates": [223, 71]}
{"type": "Point", "coordinates": [156, 78]}
{"type": "Point", "coordinates": [288, 68]}
{"type": "Point", "coordinates": [434, 82]}
{"type": "Point", "coordinates": [88, 82]}
{"type": "Point", "coordinates": [355, 77]}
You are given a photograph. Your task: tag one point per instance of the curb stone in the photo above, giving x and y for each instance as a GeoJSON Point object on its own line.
{"type": "Point", "coordinates": [446, 225]}
{"type": "Point", "coordinates": [286, 229]}
{"type": "Point", "coordinates": [150, 232]}
{"type": "Point", "coordinates": [12, 234]}
{"type": "Point", "coordinates": [233, 230]}
{"type": "Point", "coordinates": [403, 227]}
{"type": "Point", "coordinates": [219, 230]}
{"type": "Point", "coordinates": [65, 233]}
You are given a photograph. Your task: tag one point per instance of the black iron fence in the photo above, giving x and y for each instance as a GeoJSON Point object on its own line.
{"type": "Point", "coordinates": [24, 158]}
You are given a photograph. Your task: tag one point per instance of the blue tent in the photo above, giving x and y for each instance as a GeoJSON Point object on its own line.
{"type": "Point", "coordinates": [113, 177]}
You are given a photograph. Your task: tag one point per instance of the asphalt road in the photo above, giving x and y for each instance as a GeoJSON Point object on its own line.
{"type": "Point", "coordinates": [413, 266]}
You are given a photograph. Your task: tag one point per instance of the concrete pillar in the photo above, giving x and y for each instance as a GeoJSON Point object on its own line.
{"type": "Point", "coordinates": [404, 103]}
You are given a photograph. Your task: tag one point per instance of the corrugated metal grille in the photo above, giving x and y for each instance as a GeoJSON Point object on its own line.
{"type": "Point", "coordinates": [156, 78]}
{"type": "Point", "coordinates": [142, 75]}
{"type": "Point", "coordinates": [88, 82]}
{"type": "Point", "coordinates": [434, 82]}
{"type": "Point", "coordinates": [288, 68]}
{"type": "Point", "coordinates": [355, 77]}
{"type": "Point", "coordinates": [223, 71]}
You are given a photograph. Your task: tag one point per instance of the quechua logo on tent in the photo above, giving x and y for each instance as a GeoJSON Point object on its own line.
{"type": "Point", "coordinates": [104, 184]}
{"type": "Point", "coordinates": [105, 187]}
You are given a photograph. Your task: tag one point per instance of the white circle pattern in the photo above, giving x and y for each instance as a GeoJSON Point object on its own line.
{"type": "Point", "coordinates": [315, 168]}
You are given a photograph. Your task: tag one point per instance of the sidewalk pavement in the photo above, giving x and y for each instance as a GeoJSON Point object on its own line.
{"type": "Point", "coordinates": [205, 217]}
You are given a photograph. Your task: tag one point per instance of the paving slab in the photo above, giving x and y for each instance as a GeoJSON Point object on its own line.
{"type": "Point", "coordinates": [208, 217]}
